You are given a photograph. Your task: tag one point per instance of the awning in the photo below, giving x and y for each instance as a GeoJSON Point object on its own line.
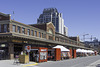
{"type": "Point", "coordinates": [84, 51]}
{"type": "Point", "coordinates": [62, 48]}
{"type": "Point", "coordinates": [78, 50]}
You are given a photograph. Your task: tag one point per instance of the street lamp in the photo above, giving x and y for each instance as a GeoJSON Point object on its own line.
{"type": "Point", "coordinates": [84, 36]}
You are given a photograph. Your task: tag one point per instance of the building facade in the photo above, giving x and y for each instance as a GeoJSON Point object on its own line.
{"type": "Point", "coordinates": [65, 30]}
{"type": "Point", "coordinates": [14, 36]}
{"type": "Point", "coordinates": [52, 15]}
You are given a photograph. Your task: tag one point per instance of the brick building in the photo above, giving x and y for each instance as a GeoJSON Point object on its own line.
{"type": "Point", "coordinates": [14, 36]}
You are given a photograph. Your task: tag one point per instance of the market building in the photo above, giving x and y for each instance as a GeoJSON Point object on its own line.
{"type": "Point", "coordinates": [14, 36]}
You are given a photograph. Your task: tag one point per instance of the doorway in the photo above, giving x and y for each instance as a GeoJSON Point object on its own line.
{"type": "Point", "coordinates": [34, 55]}
{"type": "Point", "coordinates": [17, 49]}
{"type": "Point", "coordinates": [4, 53]}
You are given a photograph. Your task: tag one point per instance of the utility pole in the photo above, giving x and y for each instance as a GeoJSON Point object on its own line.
{"type": "Point", "coordinates": [84, 36]}
{"type": "Point", "coordinates": [91, 38]}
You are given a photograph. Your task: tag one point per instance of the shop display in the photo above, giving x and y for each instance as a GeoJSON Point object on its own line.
{"type": "Point", "coordinates": [65, 55]}
{"type": "Point", "coordinates": [43, 55]}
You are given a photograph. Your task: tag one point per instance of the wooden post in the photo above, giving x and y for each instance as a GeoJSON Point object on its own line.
{"type": "Point", "coordinates": [11, 50]}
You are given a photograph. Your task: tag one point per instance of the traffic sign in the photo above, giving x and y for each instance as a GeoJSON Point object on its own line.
{"type": "Point", "coordinates": [28, 48]}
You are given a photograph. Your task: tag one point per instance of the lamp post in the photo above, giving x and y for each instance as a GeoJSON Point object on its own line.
{"type": "Point", "coordinates": [84, 36]}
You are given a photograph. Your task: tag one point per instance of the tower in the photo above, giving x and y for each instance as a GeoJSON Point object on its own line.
{"type": "Point", "coordinates": [52, 15]}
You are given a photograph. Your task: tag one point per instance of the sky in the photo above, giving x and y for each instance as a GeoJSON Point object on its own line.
{"type": "Point", "coordinates": [80, 16]}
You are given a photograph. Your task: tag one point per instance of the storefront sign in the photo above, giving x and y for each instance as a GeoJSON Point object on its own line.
{"type": "Point", "coordinates": [3, 45]}
{"type": "Point", "coordinates": [43, 49]}
{"type": "Point", "coordinates": [18, 41]}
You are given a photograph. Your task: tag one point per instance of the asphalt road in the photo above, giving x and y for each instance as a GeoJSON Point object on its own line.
{"type": "Point", "coordinates": [78, 62]}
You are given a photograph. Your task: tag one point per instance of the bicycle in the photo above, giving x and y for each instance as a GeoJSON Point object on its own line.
{"type": "Point", "coordinates": [16, 60]}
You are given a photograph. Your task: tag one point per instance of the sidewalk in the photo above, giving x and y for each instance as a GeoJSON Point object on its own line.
{"type": "Point", "coordinates": [95, 64]}
{"type": "Point", "coordinates": [9, 63]}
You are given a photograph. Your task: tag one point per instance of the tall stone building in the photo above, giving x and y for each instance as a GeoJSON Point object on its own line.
{"type": "Point", "coordinates": [52, 15]}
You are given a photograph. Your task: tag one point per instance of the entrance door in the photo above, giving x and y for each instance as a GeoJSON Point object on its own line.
{"type": "Point", "coordinates": [17, 49]}
{"type": "Point", "coordinates": [3, 53]}
{"type": "Point", "coordinates": [33, 55]}
{"type": "Point", "coordinates": [51, 54]}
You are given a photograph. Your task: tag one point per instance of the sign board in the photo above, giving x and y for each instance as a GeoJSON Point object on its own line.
{"type": "Point", "coordinates": [43, 49]}
{"type": "Point", "coordinates": [28, 48]}
{"type": "Point", "coordinates": [3, 45]}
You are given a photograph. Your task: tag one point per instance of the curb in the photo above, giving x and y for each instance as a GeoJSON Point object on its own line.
{"type": "Point", "coordinates": [30, 65]}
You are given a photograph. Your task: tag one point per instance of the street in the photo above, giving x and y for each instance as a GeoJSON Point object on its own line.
{"type": "Point", "coordinates": [90, 61]}
{"type": "Point", "coordinates": [78, 62]}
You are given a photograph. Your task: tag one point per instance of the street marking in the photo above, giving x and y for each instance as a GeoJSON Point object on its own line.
{"type": "Point", "coordinates": [30, 65]}
{"type": "Point", "coordinates": [33, 66]}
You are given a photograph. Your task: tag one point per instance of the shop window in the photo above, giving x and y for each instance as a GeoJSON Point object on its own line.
{"type": "Point", "coordinates": [35, 33]}
{"type": "Point", "coordinates": [5, 27]}
{"type": "Point", "coordinates": [43, 55]}
{"type": "Point", "coordinates": [39, 34]}
{"type": "Point", "coordinates": [28, 32]}
{"type": "Point", "coordinates": [32, 32]}
{"type": "Point", "coordinates": [23, 30]}
{"type": "Point", "coordinates": [18, 29]}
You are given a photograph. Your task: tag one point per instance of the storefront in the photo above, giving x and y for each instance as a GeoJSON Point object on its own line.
{"type": "Point", "coordinates": [18, 48]}
{"type": "Point", "coordinates": [3, 51]}
{"type": "Point", "coordinates": [54, 54]}
{"type": "Point", "coordinates": [84, 53]}
{"type": "Point", "coordinates": [65, 55]}
{"type": "Point", "coordinates": [38, 54]}
{"type": "Point", "coordinates": [64, 52]}
{"type": "Point", "coordinates": [51, 54]}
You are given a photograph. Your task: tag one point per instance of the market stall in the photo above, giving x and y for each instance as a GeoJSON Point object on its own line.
{"type": "Point", "coordinates": [38, 54]}
{"type": "Point", "coordinates": [51, 54]}
{"type": "Point", "coordinates": [83, 52]}
{"type": "Point", "coordinates": [54, 54]}
{"type": "Point", "coordinates": [64, 52]}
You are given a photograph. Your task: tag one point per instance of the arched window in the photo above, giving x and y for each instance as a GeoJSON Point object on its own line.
{"type": "Point", "coordinates": [50, 31]}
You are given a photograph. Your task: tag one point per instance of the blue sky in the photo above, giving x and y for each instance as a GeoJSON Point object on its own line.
{"type": "Point", "coordinates": [80, 16]}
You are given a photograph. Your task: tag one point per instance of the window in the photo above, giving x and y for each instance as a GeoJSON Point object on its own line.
{"type": "Point", "coordinates": [18, 29]}
{"type": "Point", "coordinates": [57, 25]}
{"type": "Point", "coordinates": [42, 35]}
{"type": "Point", "coordinates": [35, 33]}
{"type": "Point", "coordinates": [28, 32]}
{"type": "Point", "coordinates": [14, 28]}
{"type": "Point", "coordinates": [39, 34]}
{"type": "Point", "coordinates": [5, 27]}
{"type": "Point", "coordinates": [23, 30]}
{"type": "Point", "coordinates": [50, 31]}
{"type": "Point", "coordinates": [0, 27]}
{"type": "Point", "coordinates": [32, 32]}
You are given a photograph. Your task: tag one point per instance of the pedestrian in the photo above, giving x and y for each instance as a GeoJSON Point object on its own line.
{"type": "Point", "coordinates": [37, 57]}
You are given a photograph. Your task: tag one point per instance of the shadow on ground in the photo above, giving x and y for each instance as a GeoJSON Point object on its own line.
{"type": "Point", "coordinates": [98, 65]}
